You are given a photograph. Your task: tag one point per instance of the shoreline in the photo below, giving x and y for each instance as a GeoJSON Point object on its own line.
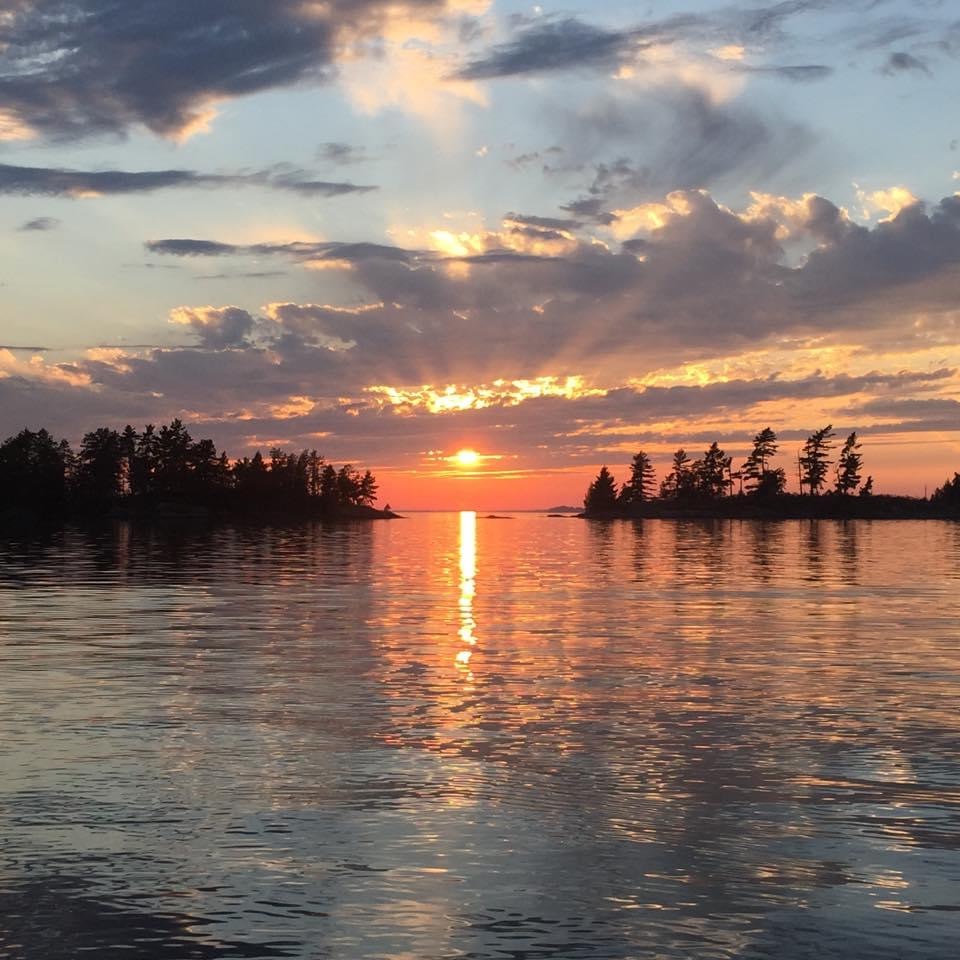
{"type": "Point", "coordinates": [784, 507]}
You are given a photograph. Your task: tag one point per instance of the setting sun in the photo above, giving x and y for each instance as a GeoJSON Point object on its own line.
{"type": "Point", "coordinates": [467, 458]}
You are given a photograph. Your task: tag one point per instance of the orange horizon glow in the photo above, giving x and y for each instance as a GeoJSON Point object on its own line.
{"type": "Point", "coordinates": [448, 485]}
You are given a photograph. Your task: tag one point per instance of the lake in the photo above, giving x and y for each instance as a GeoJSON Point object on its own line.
{"type": "Point", "coordinates": [459, 737]}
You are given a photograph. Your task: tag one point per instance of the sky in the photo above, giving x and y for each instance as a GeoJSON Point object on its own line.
{"type": "Point", "coordinates": [553, 234]}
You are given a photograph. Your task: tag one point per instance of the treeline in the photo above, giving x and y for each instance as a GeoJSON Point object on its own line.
{"type": "Point", "coordinates": [708, 481]}
{"type": "Point", "coordinates": [144, 470]}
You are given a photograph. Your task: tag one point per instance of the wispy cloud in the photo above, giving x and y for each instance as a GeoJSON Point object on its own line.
{"type": "Point", "coordinates": [65, 182]}
{"type": "Point", "coordinates": [39, 225]}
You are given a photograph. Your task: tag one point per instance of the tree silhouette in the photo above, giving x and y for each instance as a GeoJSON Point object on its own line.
{"type": "Point", "coordinates": [35, 471]}
{"type": "Point", "coordinates": [162, 468]}
{"type": "Point", "coordinates": [758, 460]}
{"type": "Point", "coordinates": [949, 494]}
{"type": "Point", "coordinates": [368, 489]}
{"type": "Point", "coordinates": [144, 469]}
{"type": "Point", "coordinates": [849, 466]}
{"type": "Point", "coordinates": [815, 459]}
{"type": "Point", "coordinates": [328, 487]}
{"type": "Point", "coordinates": [640, 486]}
{"type": "Point", "coordinates": [771, 483]}
{"type": "Point", "coordinates": [711, 472]}
{"type": "Point", "coordinates": [602, 493]}
{"type": "Point", "coordinates": [680, 482]}
{"type": "Point", "coordinates": [173, 459]}
{"type": "Point", "coordinates": [100, 466]}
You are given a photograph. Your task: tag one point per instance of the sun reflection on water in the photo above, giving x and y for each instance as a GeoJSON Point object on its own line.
{"type": "Point", "coordinates": [468, 586]}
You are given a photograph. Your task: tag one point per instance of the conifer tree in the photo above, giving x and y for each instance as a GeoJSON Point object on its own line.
{"type": "Point", "coordinates": [815, 460]}
{"type": "Point", "coordinates": [640, 486]}
{"type": "Point", "coordinates": [712, 470]}
{"type": "Point", "coordinates": [602, 494]}
{"type": "Point", "coordinates": [758, 461]}
{"type": "Point", "coordinates": [368, 489]}
{"type": "Point", "coordinates": [849, 466]}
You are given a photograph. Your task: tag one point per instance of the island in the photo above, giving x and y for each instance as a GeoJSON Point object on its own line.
{"type": "Point", "coordinates": [709, 487]}
{"type": "Point", "coordinates": [165, 475]}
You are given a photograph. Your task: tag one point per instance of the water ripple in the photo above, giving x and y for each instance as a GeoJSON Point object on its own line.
{"type": "Point", "coordinates": [451, 738]}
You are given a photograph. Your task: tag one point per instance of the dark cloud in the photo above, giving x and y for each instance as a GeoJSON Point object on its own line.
{"type": "Point", "coordinates": [800, 73]}
{"type": "Point", "coordinates": [544, 223]}
{"type": "Point", "coordinates": [590, 208]}
{"type": "Point", "coordinates": [193, 248]}
{"type": "Point", "coordinates": [341, 154]}
{"type": "Point", "coordinates": [674, 138]}
{"type": "Point", "coordinates": [766, 23]}
{"type": "Point", "coordinates": [544, 44]}
{"type": "Point", "coordinates": [554, 45]}
{"type": "Point", "coordinates": [329, 251]}
{"type": "Point", "coordinates": [15, 348]}
{"type": "Point", "coordinates": [901, 62]}
{"type": "Point", "coordinates": [912, 409]}
{"type": "Point", "coordinates": [297, 181]}
{"type": "Point", "coordinates": [246, 275]}
{"type": "Point", "coordinates": [57, 181]}
{"type": "Point", "coordinates": [523, 160]}
{"type": "Point", "coordinates": [913, 246]}
{"type": "Point", "coordinates": [217, 327]}
{"type": "Point", "coordinates": [39, 224]}
{"type": "Point", "coordinates": [889, 31]}
{"type": "Point", "coordinates": [71, 68]}
{"type": "Point", "coordinates": [708, 280]}
{"type": "Point", "coordinates": [299, 250]}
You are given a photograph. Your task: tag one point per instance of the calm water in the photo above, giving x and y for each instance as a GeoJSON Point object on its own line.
{"type": "Point", "coordinates": [457, 737]}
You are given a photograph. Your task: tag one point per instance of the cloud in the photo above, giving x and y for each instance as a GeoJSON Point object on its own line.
{"type": "Point", "coordinates": [565, 224]}
{"type": "Point", "coordinates": [63, 182]}
{"type": "Point", "coordinates": [341, 154]}
{"type": "Point", "coordinates": [691, 274]}
{"type": "Point", "coordinates": [216, 327]}
{"type": "Point", "coordinates": [554, 45]}
{"type": "Point", "coordinates": [244, 275]}
{"type": "Point", "coordinates": [901, 62]}
{"type": "Point", "coordinates": [673, 138]}
{"type": "Point", "coordinates": [72, 68]}
{"type": "Point", "coordinates": [854, 313]}
{"type": "Point", "coordinates": [450, 248]}
{"type": "Point", "coordinates": [39, 224]}
{"type": "Point", "coordinates": [800, 73]}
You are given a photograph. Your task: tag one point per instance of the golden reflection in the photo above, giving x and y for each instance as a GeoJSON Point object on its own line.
{"type": "Point", "coordinates": [468, 587]}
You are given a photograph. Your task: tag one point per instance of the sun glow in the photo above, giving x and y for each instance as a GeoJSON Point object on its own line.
{"type": "Point", "coordinates": [466, 458]}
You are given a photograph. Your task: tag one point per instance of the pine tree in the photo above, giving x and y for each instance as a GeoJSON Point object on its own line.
{"type": "Point", "coordinates": [758, 460]}
{"type": "Point", "coordinates": [368, 489]}
{"type": "Point", "coordinates": [815, 460]}
{"type": "Point", "coordinates": [602, 494]}
{"type": "Point", "coordinates": [849, 466]}
{"type": "Point", "coordinates": [711, 471]}
{"type": "Point", "coordinates": [100, 465]}
{"type": "Point", "coordinates": [640, 486]}
{"type": "Point", "coordinates": [680, 482]}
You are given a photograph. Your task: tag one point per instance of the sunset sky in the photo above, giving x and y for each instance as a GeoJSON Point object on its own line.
{"type": "Point", "coordinates": [551, 233]}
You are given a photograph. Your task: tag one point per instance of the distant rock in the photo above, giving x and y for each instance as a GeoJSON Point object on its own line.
{"type": "Point", "coordinates": [553, 511]}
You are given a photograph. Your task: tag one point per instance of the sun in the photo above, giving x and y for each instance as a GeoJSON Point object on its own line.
{"type": "Point", "coordinates": [466, 458]}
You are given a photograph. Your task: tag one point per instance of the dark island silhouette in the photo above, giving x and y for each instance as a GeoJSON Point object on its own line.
{"type": "Point", "coordinates": [710, 487]}
{"type": "Point", "coordinates": [164, 474]}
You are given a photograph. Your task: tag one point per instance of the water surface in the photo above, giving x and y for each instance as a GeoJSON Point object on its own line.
{"type": "Point", "coordinates": [452, 737]}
